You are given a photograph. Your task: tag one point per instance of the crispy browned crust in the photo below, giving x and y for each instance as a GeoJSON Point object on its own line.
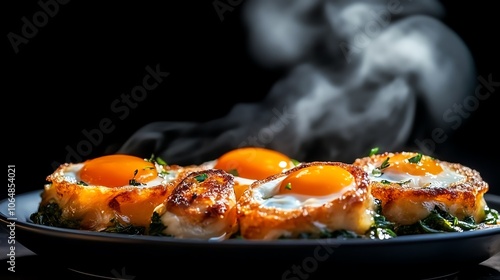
{"type": "Point", "coordinates": [96, 206]}
{"type": "Point", "coordinates": [406, 205]}
{"type": "Point", "coordinates": [352, 211]}
{"type": "Point", "coordinates": [202, 199]}
{"type": "Point", "coordinates": [205, 202]}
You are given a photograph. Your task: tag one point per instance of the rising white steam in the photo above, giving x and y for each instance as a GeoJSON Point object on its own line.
{"type": "Point", "coordinates": [360, 74]}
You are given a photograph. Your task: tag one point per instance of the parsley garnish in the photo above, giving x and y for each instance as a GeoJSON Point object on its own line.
{"type": "Point", "coordinates": [52, 215]}
{"type": "Point", "coordinates": [377, 171]}
{"type": "Point", "coordinates": [385, 163]}
{"type": "Point", "coordinates": [288, 186]}
{"type": "Point", "coordinates": [373, 151]}
{"type": "Point", "coordinates": [156, 226]}
{"type": "Point", "coordinates": [386, 182]}
{"type": "Point", "coordinates": [158, 160]}
{"type": "Point", "coordinates": [233, 172]}
{"type": "Point", "coordinates": [202, 177]}
{"type": "Point", "coordinates": [117, 227]}
{"type": "Point", "coordinates": [415, 159]}
{"type": "Point", "coordinates": [133, 182]}
{"type": "Point", "coordinates": [404, 182]}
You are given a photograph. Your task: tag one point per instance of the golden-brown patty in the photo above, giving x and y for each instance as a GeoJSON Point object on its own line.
{"type": "Point", "coordinates": [409, 186]}
{"type": "Point", "coordinates": [202, 206]}
{"type": "Point", "coordinates": [97, 207]}
{"type": "Point", "coordinates": [311, 198]}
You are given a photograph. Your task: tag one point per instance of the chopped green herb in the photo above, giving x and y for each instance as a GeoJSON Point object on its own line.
{"type": "Point", "coordinates": [381, 227]}
{"type": "Point", "coordinates": [415, 159]}
{"type": "Point", "coordinates": [151, 158]}
{"type": "Point", "coordinates": [492, 216]}
{"type": "Point", "coordinates": [202, 177]}
{"type": "Point", "coordinates": [386, 182]}
{"type": "Point", "coordinates": [295, 162]}
{"type": "Point", "coordinates": [404, 182]}
{"type": "Point", "coordinates": [377, 171]}
{"type": "Point", "coordinates": [438, 221]}
{"type": "Point", "coordinates": [82, 183]}
{"type": "Point", "coordinates": [51, 215]}
{"type": "Point", "coordinates": [385, 163]}
{"type": "Point", "coordinates": [373, 151]}
{"type": "Point", "coordinates": [133, 182]}
{"type": "Point", "coordinates": [288, 186]}
{"type": "Point", "coordinates": [163, 173]}
{"type": "Point", "coordinates": [118, 227]}
{"type": "Point", "coordinates": [158, 160]}
{"type": "Point", "coordinates": [156, 226]}
{"type": "Point", "coordinates": [233, 172]}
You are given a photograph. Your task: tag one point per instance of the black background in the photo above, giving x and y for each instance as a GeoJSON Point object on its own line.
{"type": "Point", "coordinates": [65, 78]}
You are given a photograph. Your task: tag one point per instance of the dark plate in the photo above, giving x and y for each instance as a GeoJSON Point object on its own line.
{"type": "Point", "coordinates": [289, 259]}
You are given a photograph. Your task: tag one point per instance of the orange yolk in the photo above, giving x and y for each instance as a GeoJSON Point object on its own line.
{"type": "Point", "coordinates": [317, 181]}
{"type": "Point", "coordinates": [401, 163]}
{"type": "Point", "coordinates": [253, 163]}
{"type": "Point", "coordinates": [117, 170]}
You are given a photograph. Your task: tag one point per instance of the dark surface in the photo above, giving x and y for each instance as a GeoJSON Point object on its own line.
{"type": "Point", "coordinates": [64, 79]}
{"type": "Point", "coordinates": [34, 267]}
{"type": "Point", "coordinates": [425, 256]}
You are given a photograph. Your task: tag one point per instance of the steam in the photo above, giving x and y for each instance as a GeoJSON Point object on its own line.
{"type": "Point", "coordinates": [360, 74]}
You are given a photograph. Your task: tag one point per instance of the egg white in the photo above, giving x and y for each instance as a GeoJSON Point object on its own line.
{"type": "Point", "coordinates": [71, 175]}
{"type": "Point", "coordinates": [266, 194]}
{"type": "Point", "coordinates": [443, 179]}
{"type": "Point", "coordinates": [406, 198]}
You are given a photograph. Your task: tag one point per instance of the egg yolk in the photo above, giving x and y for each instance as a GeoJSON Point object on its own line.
{"type": "Point", "coordinates": [253, 163]}
{"type": "Point", "coordinates": [117, 170]}
{"type": "Point", "coordinates": [317, 181]}
{"type": "Point", "coordinates": [414, 164]}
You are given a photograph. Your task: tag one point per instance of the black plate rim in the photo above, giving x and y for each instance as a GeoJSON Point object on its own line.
{"type": "Point", "coordinates": [22, 223]}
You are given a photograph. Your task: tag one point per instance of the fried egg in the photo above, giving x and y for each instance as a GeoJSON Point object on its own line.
{"type": "Point", "coordinates": [249, 164]}
{"type": "Point", "coordinates": [311, 198]}
{"type": "Point", "coordinates": [201, 206]}
{"type": "Point", "coordinates": [109, 191]}
{"type": "Point", "coordinates": [409, 186]}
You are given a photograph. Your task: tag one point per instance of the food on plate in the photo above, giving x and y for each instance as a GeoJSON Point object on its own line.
{"type": "Point", "coordinates": [115, 193]}
{"type": "Point", "coordinates": [418, 192]}
{"type": "Point", "coordinates": [249, 164]}
{"type": "Point", "coordinates": [259, 194]}
{"type": "Point", "coordinates": [201, 206]}
{"type": "Point", "coordinates": [311, 200]}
